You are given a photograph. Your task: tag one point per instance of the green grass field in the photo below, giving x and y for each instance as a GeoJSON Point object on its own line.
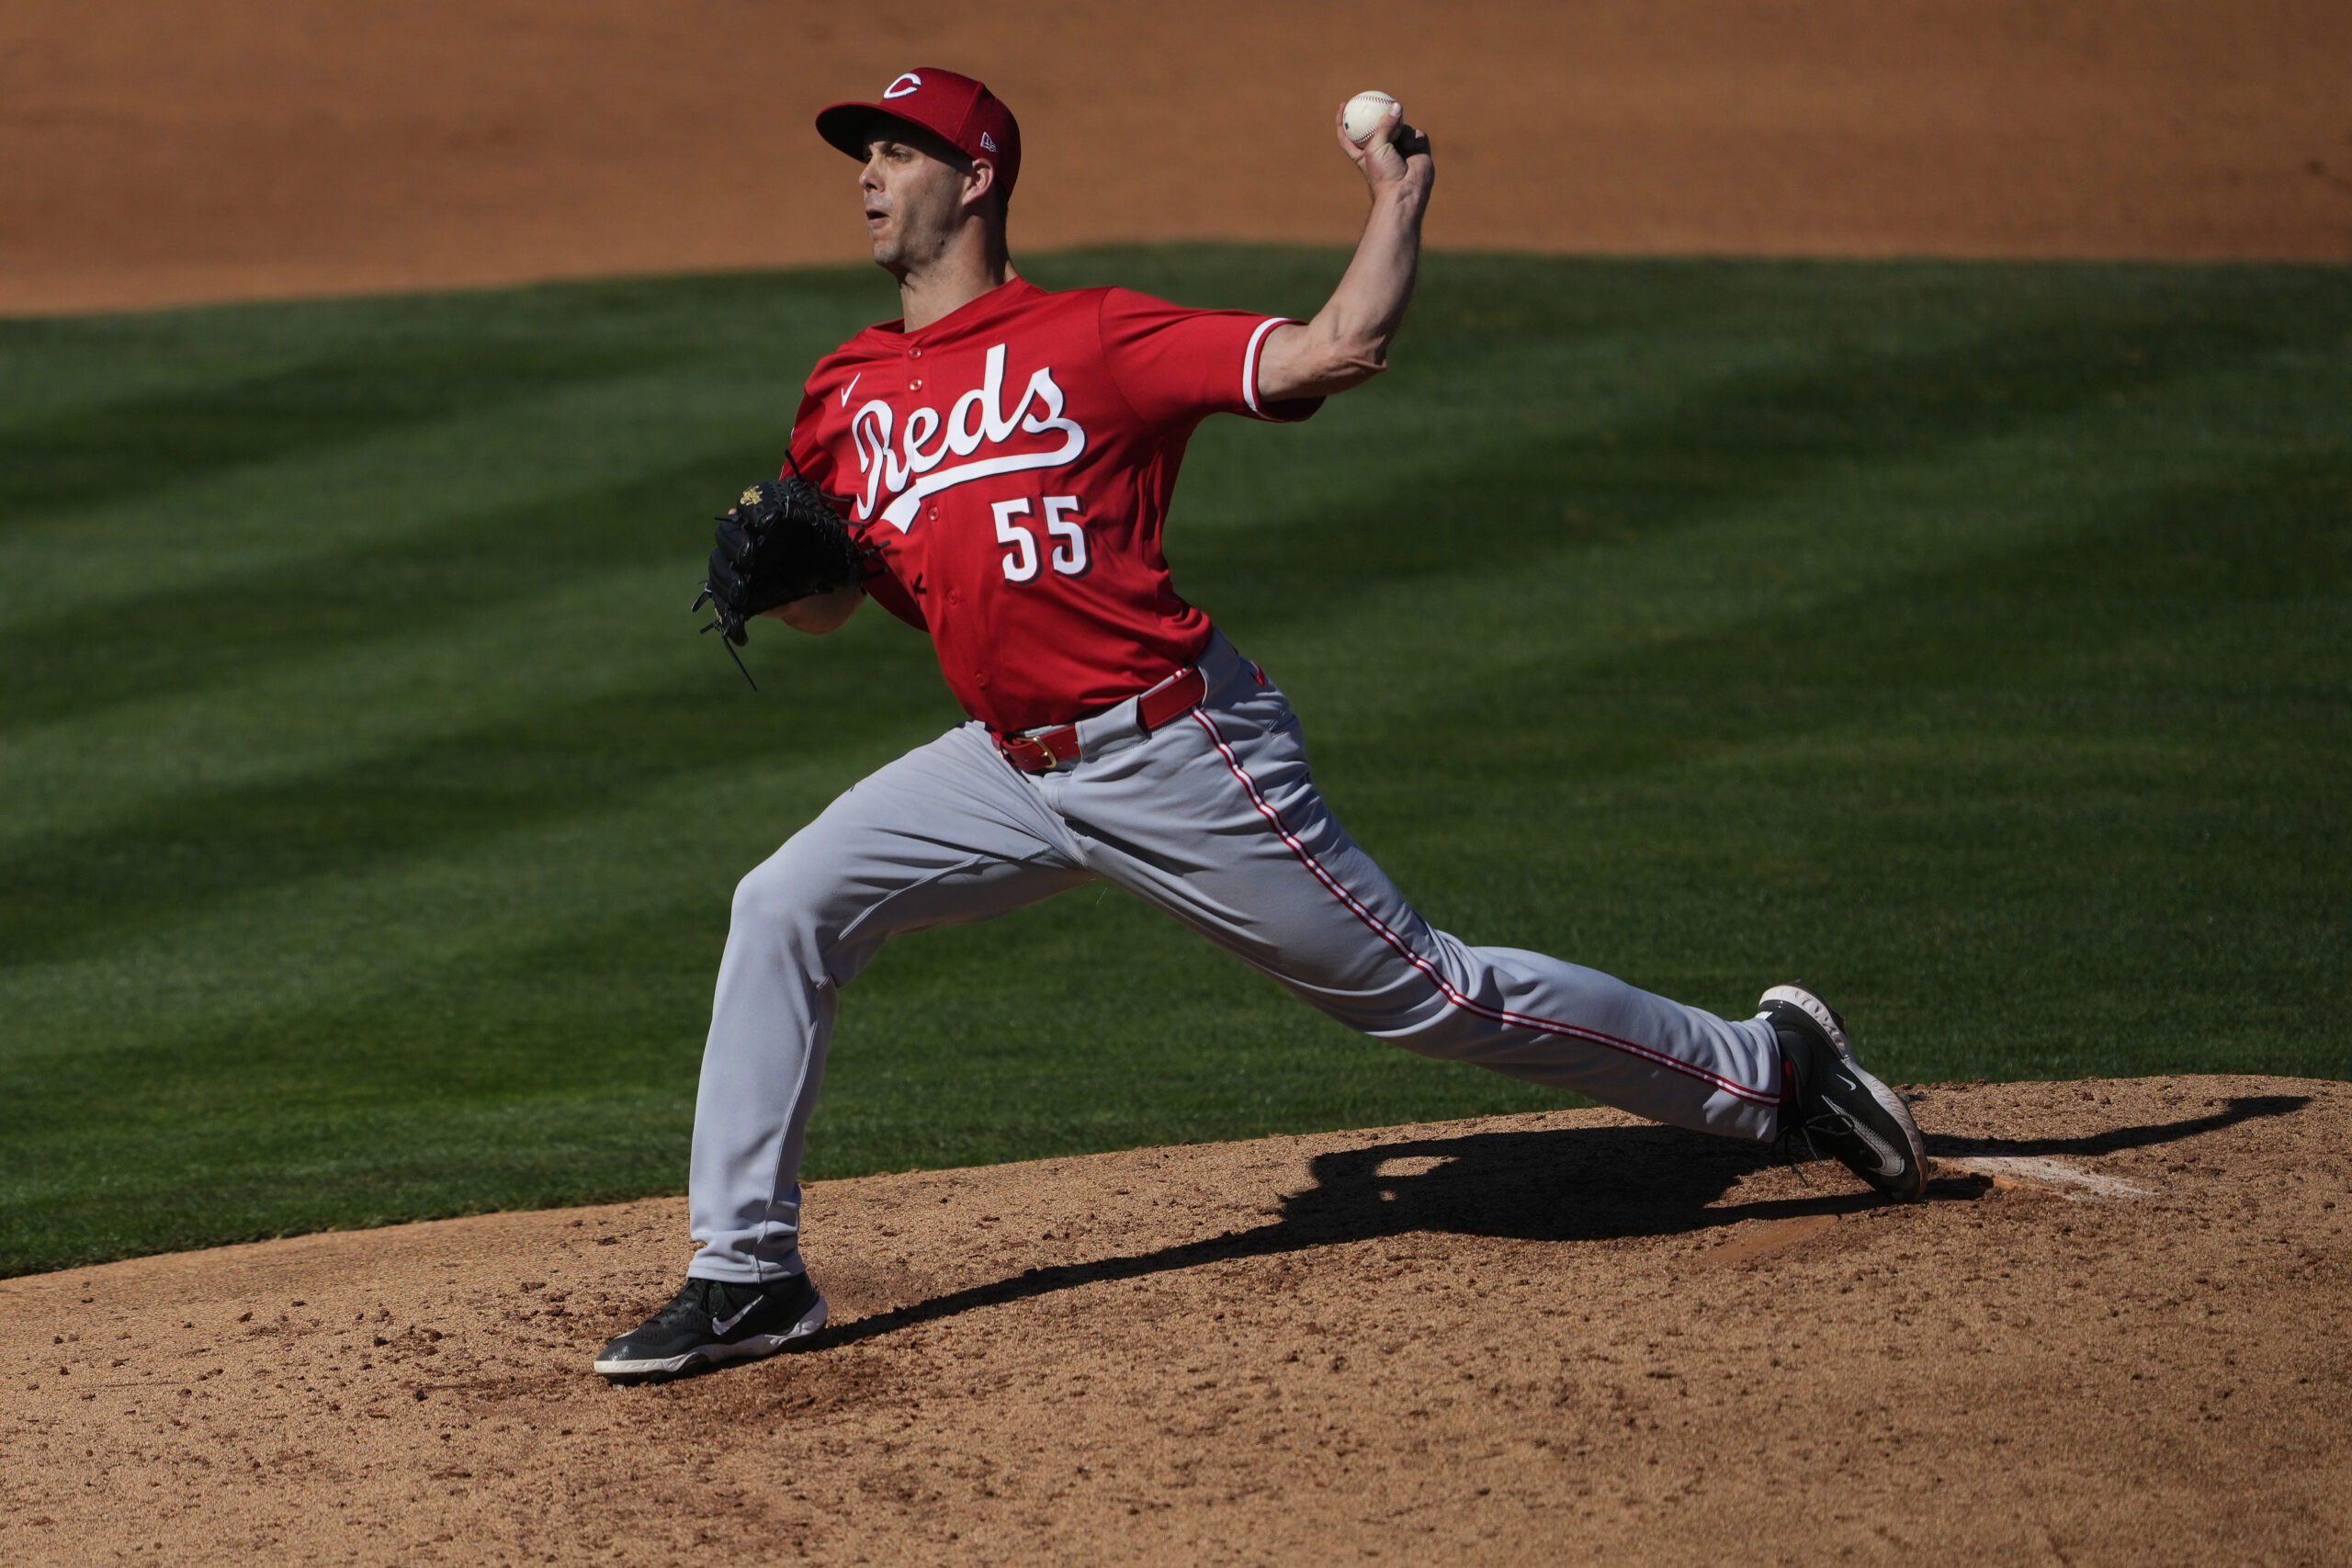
{"type": "Point", "coordinates": [1970, 639]}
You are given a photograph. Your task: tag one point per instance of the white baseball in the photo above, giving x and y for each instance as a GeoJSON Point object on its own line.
{"type": "Point", "coordinates": [1365, 113]}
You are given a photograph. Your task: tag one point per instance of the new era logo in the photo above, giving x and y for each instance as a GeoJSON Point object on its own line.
{"type": "Point", "coordinates": [988, 141]}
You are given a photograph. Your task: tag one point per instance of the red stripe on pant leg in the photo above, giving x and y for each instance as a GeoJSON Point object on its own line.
{"type": "Point", "coordinates": [1446, 988]}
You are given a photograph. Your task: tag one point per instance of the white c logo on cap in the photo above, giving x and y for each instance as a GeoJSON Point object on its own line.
{"type": "Point", "coordinates": [904, 86]}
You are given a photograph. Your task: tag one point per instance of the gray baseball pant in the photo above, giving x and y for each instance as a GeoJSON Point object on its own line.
{"type": "Point", "coordinates": [1214, 818]}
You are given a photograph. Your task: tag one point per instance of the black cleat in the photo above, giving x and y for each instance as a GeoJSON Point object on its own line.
{"type": "Point", "coordinates": [1833, 1107]}
{"type": "Point", "coordinates": [708, 1322]}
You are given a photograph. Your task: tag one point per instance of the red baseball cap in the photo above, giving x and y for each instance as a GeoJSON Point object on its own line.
{"type": "Point", "coordinates": [957, 109]}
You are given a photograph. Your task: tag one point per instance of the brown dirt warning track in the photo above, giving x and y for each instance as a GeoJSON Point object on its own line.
{"type": "Point", "coordinates": [2116, 1334]}
{"type": "Point", "coordinates": [153, 153]}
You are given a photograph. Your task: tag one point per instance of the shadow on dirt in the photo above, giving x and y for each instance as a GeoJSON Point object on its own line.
{"type": "Point", "coordinates": [1572, 1184]}
{"type": "Point", "coordinates": [2246, 1108]}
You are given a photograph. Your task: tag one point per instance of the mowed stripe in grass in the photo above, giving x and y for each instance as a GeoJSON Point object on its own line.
{"type": "Point", "coordinates": [1970, 639]}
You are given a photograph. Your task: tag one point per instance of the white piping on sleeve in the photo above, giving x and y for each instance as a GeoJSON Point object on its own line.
{"type": "Point", "coordinates": [1249, 361]}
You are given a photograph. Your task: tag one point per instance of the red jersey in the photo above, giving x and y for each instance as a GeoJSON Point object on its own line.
{"type": "Point", "coordinates": [1012, 463]}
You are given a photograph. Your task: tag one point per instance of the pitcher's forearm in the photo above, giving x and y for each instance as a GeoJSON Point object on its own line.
{"type": "Point", "coordinates": [1347, 342]}
{"type": "Point", "coordinates": [1349, 338]}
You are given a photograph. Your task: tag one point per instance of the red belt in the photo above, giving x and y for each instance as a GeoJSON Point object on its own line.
{"type": "Point", "coordinates": [1171, 699]}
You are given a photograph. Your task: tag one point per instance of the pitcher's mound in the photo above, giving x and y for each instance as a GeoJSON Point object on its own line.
{"type": "Point", "coordinates": [2116, 1333]}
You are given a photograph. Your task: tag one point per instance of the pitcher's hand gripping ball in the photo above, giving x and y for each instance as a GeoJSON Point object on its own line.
{"type": "Point", "coordinates": [780, 541]}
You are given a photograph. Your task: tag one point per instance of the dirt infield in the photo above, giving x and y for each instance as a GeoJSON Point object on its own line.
{"type": "Point", "coordinates": [2116, 1334]}
{"type": "Point", "coordinates": [155, 152]}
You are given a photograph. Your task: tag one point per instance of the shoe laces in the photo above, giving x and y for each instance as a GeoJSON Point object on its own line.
{"type": "Point", "coordinates": [692, 1303]}
{"type": "Point", "coordinates": [1795, 1148]}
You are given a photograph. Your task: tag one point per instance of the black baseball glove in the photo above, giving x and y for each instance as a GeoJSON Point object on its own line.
{"type": "Point", "coordinates": [780, 542]}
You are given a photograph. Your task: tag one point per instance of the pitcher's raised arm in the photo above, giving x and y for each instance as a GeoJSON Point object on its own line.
{"type": "Point", "coordinates": [1347, 342]}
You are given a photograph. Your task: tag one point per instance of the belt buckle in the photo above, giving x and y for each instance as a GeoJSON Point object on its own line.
{"type": "Point", "coordinates": [1009, 747]}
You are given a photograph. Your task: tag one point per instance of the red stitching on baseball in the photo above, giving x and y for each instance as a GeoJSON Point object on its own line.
{"type": "Point", "coordinates": [1445, 987]}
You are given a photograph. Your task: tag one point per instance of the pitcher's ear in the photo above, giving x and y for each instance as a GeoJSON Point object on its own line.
{"type": "Point", "coordinates": [983, 178]}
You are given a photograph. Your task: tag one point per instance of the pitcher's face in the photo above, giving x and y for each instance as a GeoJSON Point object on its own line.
{"type": "Point", "coordinates": [913, 201]}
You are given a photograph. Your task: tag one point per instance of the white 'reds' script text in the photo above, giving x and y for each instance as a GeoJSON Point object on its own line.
{"type": "Point", "coordinates": [976, 418]}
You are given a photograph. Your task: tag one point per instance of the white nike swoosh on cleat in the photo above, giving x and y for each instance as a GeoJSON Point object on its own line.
{"type": "Point", "coordinates": [1890, 1164]}
{"type": "Point", "coordinates": [721, 1325]}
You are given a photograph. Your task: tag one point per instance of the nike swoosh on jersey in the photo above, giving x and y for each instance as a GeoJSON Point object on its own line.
{"type": "Point", "coordinates": [851, 387]}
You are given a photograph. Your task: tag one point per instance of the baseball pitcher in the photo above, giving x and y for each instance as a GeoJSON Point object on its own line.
{"type": "Point", "coordinates": [995, 467]}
